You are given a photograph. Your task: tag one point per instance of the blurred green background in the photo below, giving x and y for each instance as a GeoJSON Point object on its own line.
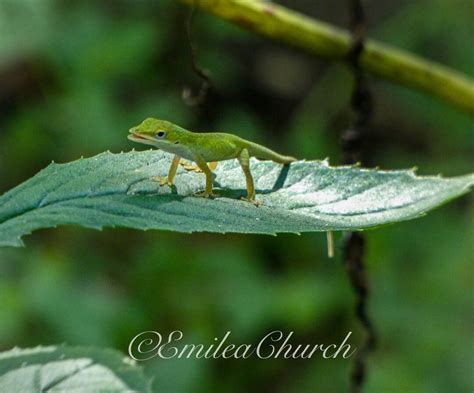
{"type": "Point", "coordinates": [75, 75]}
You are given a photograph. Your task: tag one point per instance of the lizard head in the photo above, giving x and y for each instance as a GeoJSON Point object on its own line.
{"type": "Point", "coordinates": [158, 133]}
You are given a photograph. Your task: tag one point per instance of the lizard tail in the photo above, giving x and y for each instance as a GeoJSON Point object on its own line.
{"type": "Point", "coordinates": [262, 153]}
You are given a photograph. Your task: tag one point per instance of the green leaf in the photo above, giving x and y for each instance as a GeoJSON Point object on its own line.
{"type": "Point", "coordinates": [118, 190]}
{"type": "Point", "coordinates": [70, 369]}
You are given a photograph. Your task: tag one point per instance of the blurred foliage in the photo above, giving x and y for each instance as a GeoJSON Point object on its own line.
{"type": "Point", "coordinates": [76, 74]}
{"type": "Point", "coordinates": [67, 369]}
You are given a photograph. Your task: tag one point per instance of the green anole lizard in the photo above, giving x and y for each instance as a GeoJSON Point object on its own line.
{"type": "Point", "coordinates": [204, 148]}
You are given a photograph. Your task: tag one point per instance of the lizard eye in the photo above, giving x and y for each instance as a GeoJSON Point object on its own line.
{"type": "Point", "coordinates": [160, 134]}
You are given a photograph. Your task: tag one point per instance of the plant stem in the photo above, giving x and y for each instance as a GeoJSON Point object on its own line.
{"type": "Point", "coordinates": [354, 140]}
{"type": "Point", "coordinates": [322, 39]}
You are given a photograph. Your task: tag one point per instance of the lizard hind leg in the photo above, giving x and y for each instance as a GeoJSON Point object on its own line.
{"type": "Point", "coordinates": [244, 160]}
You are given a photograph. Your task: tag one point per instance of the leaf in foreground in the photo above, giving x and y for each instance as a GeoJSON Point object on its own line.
{"type": "Point", "coordinates": [69, 369]}
{"type": "Point", "coordinates": [118, 190]}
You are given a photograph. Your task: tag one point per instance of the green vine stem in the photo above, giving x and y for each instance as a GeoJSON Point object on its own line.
{"type": "Point", "coordinates": [322, 39]}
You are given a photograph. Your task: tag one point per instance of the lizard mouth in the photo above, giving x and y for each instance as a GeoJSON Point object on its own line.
{"type": "Point", "coordinates": [134, 136]}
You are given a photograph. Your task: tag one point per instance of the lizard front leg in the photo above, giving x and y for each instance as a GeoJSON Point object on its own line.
{"type": "Point", "coordinates": [203, 166]}
{"type": "Point", "coordinates": [168, 180]}
{"type": "Point", "coordinates": [244, 160]}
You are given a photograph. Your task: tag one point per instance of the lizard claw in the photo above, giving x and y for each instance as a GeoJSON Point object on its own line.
{"type": "Point", "coordinates": [163, 180]}
{"type": "Point", "coordinates": [252, 201]}
{"type": "Point", "coordinates": [191, 167]}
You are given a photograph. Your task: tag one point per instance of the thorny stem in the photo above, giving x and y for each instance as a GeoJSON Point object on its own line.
{"type": "Point", "coordinates": [322, 39]}
{"type": "Point", "coordinates": [354, 246]}
{"type": "Point", "coordinates": [353, 151]}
